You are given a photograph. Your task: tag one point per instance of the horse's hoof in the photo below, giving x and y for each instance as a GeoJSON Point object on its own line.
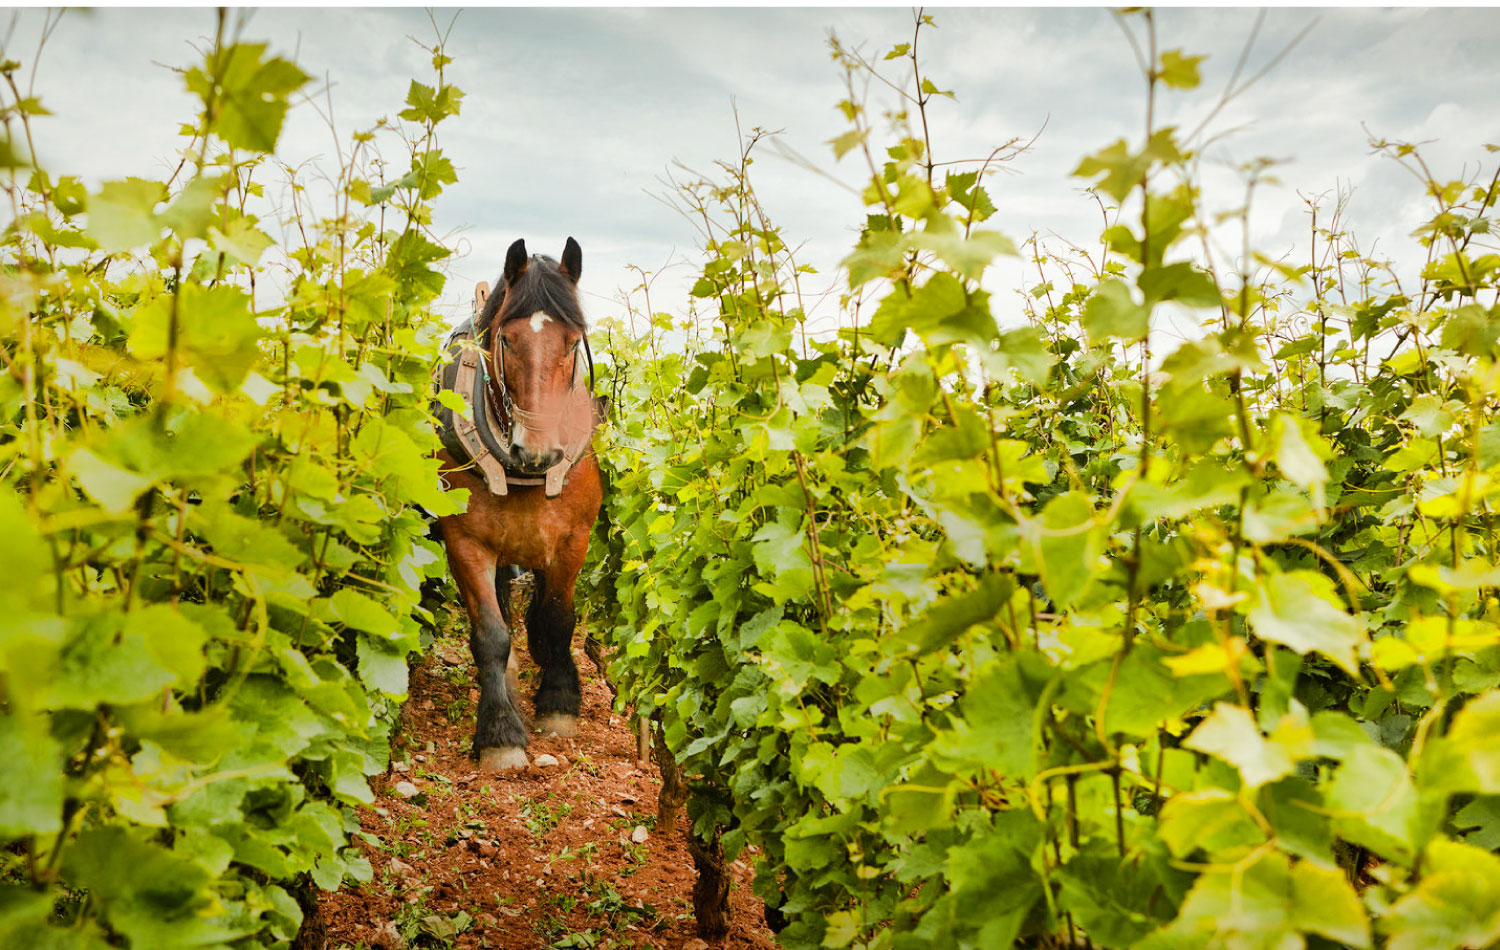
{"type": "Point", "coordinates": [557, 724]}
{"type": "Point", "coordinates": [499, 758]}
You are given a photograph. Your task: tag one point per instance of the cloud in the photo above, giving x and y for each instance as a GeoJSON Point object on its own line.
{"type": "Point", "coordinates": [573, 115]}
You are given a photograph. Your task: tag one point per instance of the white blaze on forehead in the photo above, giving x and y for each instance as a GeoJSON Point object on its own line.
{"type": "Point", "coordinates": [538, 320]}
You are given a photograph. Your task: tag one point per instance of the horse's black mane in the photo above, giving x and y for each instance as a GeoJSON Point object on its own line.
{"type": "Point", "coordinates": [542, 286]}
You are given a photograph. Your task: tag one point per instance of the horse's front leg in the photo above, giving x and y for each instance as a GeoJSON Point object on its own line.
{"type": "Point", "coordinates": [549, 634]}
{"type": "Point", "coordinates": [499, 734]}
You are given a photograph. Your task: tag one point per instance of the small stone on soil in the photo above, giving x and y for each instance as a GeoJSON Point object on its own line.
{"type": "Point", "coordinates": [640, 834]}
{"type": "Point", "coordinates": [545, 760]}
{"type": "Point", "coordinates": [406, 789]}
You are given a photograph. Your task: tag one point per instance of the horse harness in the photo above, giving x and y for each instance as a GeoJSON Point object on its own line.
{"type": "Point", "coordinates": [479, 436]}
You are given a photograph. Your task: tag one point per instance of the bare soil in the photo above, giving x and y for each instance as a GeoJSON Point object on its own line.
{"type": "Point", "coordinates": [563, 855]}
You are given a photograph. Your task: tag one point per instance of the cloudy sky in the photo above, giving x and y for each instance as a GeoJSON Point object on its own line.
{"type": "Point", "coordinates": [572, 117]}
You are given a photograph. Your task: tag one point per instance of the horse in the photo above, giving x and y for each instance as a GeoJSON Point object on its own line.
{"type": "Point", "coordinates": [533, 338]}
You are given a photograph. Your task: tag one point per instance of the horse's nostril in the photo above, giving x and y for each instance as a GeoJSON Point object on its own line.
{"type": "Point", "coordinates": [544, 459]}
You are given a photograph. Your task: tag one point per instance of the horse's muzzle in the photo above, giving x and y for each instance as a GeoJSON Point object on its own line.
{"type": "Point", "coordinates": [537, 461]}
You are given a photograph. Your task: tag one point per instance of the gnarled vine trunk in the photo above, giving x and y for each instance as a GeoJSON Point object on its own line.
{"type": "Point", "coordinates": [711, 890]}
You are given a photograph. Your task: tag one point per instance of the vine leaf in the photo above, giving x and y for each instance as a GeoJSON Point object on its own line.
{"type": "Point", "coordinates": [1230, 733]}
{"type": "Point", "coordinates": [250, 94]}
{"type": "Point", "coordinates": [1297, 610]}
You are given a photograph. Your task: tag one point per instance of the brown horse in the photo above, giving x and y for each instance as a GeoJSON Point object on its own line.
{"type": "Point", "coordinates": [535, 352]}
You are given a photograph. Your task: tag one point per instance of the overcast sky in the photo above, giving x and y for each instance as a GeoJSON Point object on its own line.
{"type": "Point", "coordinates": [573, 116]}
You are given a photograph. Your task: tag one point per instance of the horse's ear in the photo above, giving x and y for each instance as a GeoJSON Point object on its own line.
{"type": "Point", "coordinates": [572, 260]}
{"type": "Point", "coordinates": [515, 261]}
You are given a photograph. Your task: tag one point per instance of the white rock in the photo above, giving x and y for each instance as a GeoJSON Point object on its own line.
{"type": "Point", "coordinates": [640, 834]}
{"type": "Point", "coordinates": [406, 789]}
{"type": "Point", "coordinates": [545, 760]}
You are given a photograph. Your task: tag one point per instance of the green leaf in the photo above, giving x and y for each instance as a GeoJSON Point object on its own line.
{"type": "Point", "coordinates": [922, 803]}
{"type": "Point", "coordinates": [1212, 819]}
{"type": "Point", "coordinates": [1467, 759]}
{"type": "Point", "coordinates": [122, 215]}
{"type": "Point", "coordinates": [1115, 900]}
{"type": "Point", "coordinates": [190, 212]}
{"type": "Point", "coordinates": [1179, 71]}
{"type": "Point", "coordinates": [247, 541]}
{"type": "Point", "coordinates": [966, 256]}
{"type": "Point", "coordinates": [1266, 905]}
{"type": "Point", "coordinates": [1455, 904]}
{"type": "Point", "coordinates": [1230, 733]}
{"type": "Point", "coordinates": [1111, 313]}
{"type": "Point", "coordinates": [382, 668]}
{"type": "Point", "coordinates": [429, 173]}
{"type": "Point", "coordinates": [1068, 546]}
{"type": "Point", "coordinates": [452, 400]}
{"type": "Point", "coordinates": [994, 729]}
{"type": "Point", "coordinates": [31, 803]}
{"type": "Point", "coordinates": [1122, 171]}
{"type": "Point", "coordinates": [216, 333]}
{"type": "Point", "coordinates": [240, 241]}
{"type": "Point", "coordinates": [1294, 809]}
{"type": "Point", "coordinates": [173, 640]}
{"type": "Point", "coordinates": [1429, 415]}
{"type": "Point", "coordinates": [947, 620]}
{"type": "Point", "coordinates": [1196, 417]}
{"type": "Point", "coordinates": [151, 895]}
{"type": "Point", "coordinates": [1375, 803]}
{"type": "Point", "coordinates": [1324, 903]}
{"type": "Point", "coordinates": [425, 104]}
{"type": "Point", "coordinates": [246, 94]}
{"type": "Point", "coordinates": [992, 877]}
{"type": "Point", "coordinates": [106, 662]}
{"type": "Point", "coordinates": [1023, 350]}
{"type": "Point", "coordinates": [113, 487]}
{"type": "Point", "coordinates": [1181, 282]}
{"type": "Point", "coordinates": [408, 263]}
{"type": "Point", "coordinates": [879, 254]}
{"type": "Point", "coordinates": [1299, 609]}
{"type": "Point", "coordinates": [355, 610]}
{"type": "Point", "coordinates": [843, 144]}
{"type": "Point", "coordinates": [941, 298]}
{"type": "Point", "coordinates": [1144, 694]}
{"type": "Point", "coordinates": [1299, 452]}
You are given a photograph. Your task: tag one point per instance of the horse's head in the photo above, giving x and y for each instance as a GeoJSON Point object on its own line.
{"type": "Point", "coordinates": [539, 360]}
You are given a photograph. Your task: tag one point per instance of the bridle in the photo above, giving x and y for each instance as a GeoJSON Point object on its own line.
{"type": "Point", "coordinates": [515, 415]}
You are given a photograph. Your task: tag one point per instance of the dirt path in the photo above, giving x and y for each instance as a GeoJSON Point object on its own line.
{"type": "Point", "coordinates": [564, 855]}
